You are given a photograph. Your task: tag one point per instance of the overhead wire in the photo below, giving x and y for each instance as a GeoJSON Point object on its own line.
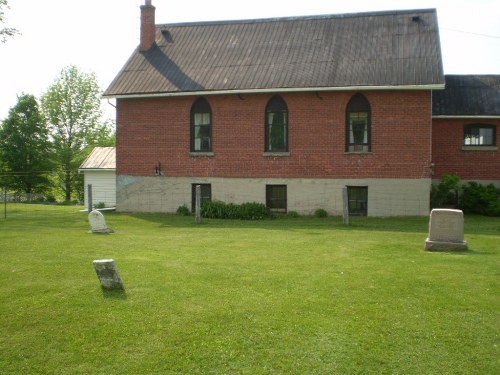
{"type": "Point", "coordinates": [471, 33]}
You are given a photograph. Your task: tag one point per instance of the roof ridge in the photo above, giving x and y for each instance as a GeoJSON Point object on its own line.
{"type": "Point", "coordinates": [296, 18]}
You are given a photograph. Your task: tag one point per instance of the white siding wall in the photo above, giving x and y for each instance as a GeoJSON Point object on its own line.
{"type": "Point", "coordinates": [386, 197]}
{"type": "Point", "coordinates": [103, 187]}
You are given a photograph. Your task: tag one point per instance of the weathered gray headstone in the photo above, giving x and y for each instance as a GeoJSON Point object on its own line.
{"type": "Point", "coordinates": [108, 274]}
{"type": "Point", "coordinates": [98, 223]}
{"type": "Point", "coordinates": [446, 230]}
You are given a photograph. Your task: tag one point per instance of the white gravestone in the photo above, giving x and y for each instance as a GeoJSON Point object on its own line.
{"type": "Point", "coordinates": [98, 223]}
{"type": "Point", "coordinates": [446, 230]}
{"type": "Point", "coordinates": [108, 274]}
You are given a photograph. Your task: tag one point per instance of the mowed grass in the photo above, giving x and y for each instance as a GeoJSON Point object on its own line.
{"type": "Point", "coordinates": [284, 296]}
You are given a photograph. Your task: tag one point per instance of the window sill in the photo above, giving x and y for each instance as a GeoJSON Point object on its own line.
{"type": "Point", "coordinates": [479, 148]}
{"type": "Point", "coordinates": [278, 154]}
{"type": "Point", "coordinates": [358, 153]}
{"type": "Point", "coordinates": [198, 154]}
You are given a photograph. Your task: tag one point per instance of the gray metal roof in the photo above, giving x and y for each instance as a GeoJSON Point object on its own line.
{"type": "Point", "coordinates": [468, 95]}
{"type": "Point", "coordinates": [394, 48]}
{"type": "Point", "coordinates": [101, 158]}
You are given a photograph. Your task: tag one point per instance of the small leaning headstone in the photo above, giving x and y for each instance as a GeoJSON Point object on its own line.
{"type": "Point", "coordinates": [108, 274]}
{"type": "Point", "coordinates": [98, 223]}
{"type": "Point", "coordinates": [446, 230]}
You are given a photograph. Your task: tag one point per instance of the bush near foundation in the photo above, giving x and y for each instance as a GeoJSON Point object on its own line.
{"type": "Point", "coordinates": [471, 198]}
{"type": "Point", "coordinates": [183, 211]}
{"type": "Point", "coordinates": [480, 199]}
{"type": "Point", "coordinates": [445, 194]}
{"type": "Point", "coordinates": [320, 212]}
{"type": "Point", "coordinates": [244, 211]}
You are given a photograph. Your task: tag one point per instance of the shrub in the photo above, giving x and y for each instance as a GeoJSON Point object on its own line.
{"type": "Point", "coordinates": [100, 205]}
{"type": "Point", "coordinates": [320, 213]}
{"type": "Point", "coordinates": [292, 214]}
{"type": "Point", "coordinates": [213, 210]}
{"type": "Point", "coordinates": [51, 198]}
{"type": "Point", "coordinates": [253, 211]}
{"type": "Point", "coordinates": [245, 211]}
{"type": "Point", "coordinates": [232, 211]}
{"type": "Point", "coordinates": [183, 210]}
{"type": "Point", "coordinates": [445, 194]}
{"type": "Point", "coordinates": [480, 199]}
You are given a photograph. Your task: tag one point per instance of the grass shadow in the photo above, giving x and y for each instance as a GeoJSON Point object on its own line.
{"type": "Point", "coordinates": [467, 252]}
{"type": "Point", "coordinates": [409, 224]}
{"type": "Point", "coordinates": [117, 294]}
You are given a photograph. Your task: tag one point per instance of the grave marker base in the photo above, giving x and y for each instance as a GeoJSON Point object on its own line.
{"type": "Point", "coordinates": [445, 246]}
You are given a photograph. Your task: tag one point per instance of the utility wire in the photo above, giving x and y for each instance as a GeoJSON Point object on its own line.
{"type": "Point", "coordinates": [472, 33]}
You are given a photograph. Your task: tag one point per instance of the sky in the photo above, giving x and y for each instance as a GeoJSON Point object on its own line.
{"type": "Point", "coordinates": [98, 36]}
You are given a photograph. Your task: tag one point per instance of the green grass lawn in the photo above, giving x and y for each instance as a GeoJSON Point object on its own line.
{"type": "Point", "coordinates": [284, 296]}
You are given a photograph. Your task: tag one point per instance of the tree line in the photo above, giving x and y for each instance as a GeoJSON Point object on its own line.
{"type": "Point", "coordinates": [44, 141]}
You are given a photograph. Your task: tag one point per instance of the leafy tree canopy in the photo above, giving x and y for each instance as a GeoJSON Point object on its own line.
{"type": "Point", "coordinates": [25, 150]}
{"type": "Point", "coordinates": [73, 109]}
{"type": "Point", "coordinates": [5, 31]}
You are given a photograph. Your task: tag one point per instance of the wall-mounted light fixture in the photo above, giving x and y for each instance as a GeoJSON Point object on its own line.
{"type": "Point", "coordinates": [158, 171]}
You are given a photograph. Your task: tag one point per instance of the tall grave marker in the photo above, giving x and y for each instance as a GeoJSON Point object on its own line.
{"type": "Point", "coordinates": [446, 230]}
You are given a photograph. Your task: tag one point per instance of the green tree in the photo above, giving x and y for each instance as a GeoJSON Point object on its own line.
{"type": "Point", "coordinates": [25, 150]}
{"type": "Point", "coordinates": [73, 108]}
{"type": "Point", "coordinates": [5, 32]}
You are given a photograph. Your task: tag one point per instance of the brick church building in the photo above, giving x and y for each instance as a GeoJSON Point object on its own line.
{"type": "Point", "coordinates": [288, 111]}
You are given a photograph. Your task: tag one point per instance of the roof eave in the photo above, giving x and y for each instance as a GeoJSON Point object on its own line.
{"type": "Point", "coordinates": [466, 116]}
{"type": "Point", "coordinates": [436, 86]}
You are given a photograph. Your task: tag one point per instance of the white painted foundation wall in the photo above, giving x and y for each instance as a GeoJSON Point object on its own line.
{"type": "Point", "coordinates": [386, 197]}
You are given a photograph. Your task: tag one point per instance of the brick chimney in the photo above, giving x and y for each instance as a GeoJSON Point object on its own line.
{"type": "Point", "coordinates": [148, 29]}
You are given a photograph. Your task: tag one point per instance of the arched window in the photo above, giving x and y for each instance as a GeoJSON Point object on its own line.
{"type": "Point", "coordinates": [358, 124]}
{"type": "Point", "coordinates": [201, 126]}
{"type": "Point", "coordinates": [276, 125]}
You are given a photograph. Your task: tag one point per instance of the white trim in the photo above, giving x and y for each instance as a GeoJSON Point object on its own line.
{"type": "Point", "coordinates": [496, 117]}
{"type": "Point", "coordinates": [289, 89]}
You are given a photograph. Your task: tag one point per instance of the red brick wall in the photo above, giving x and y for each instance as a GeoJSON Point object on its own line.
{"type": "Point", "coordinates": [158, 130]}
{"type": "Point", "coordinates": [449, 158]}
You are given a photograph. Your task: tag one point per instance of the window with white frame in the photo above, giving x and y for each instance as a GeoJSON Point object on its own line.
{"type": "Point", "coordinates": [358, 124]}
{"type": "Point", "coordinates": [276, 125]}
{"type": "Point", "coordinates": [479, 135]}
{"type": "Point", "coordinates": [201, 126]}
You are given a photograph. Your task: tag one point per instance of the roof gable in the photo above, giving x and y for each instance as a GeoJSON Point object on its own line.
{"type": "Point", "coordinates": [101, 158]}
{"type": "Point", "coordinates": [399, 48]}
{"type": "Point", "coordinates": [468, 95]}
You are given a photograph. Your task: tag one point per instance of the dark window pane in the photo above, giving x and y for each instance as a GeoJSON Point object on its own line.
{"type": "Point", "coordinates": [358, 124]}
{"type": "Point", "coordinates": [201, 126]}
{"type": "Point", "coordinates": [357, 200]}
{"type": "Point", "coordinates": [276, 198]}
{"type": "Point", "coordinates": [479, 135]}
{"type": "Point", "coordinates": [276, 125]}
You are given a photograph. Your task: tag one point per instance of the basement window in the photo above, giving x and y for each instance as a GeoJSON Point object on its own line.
{"type": "Point", "coordinates": [206, 195]}
{"type": "Point", "coordinates": [357, 197]}
{"type": "Point", "coordinates": [276, 198]}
